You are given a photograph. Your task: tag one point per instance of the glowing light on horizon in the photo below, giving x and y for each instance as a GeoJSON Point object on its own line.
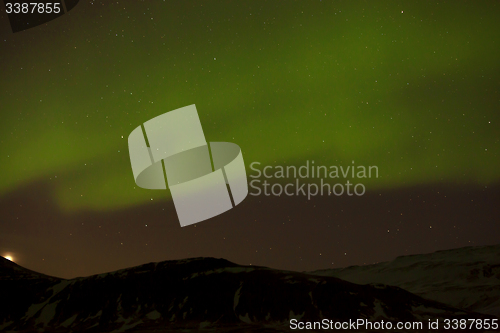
{"type": "Point", "coordinates": [9, 258]}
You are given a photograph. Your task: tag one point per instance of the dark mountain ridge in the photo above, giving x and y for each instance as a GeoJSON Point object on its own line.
{"type": "Point", "coordinates": [199, 293]}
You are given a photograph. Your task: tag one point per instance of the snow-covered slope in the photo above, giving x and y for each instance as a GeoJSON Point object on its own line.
{"type": "Point", "coordinates": [466, 278]}
{"type": "Point", "coordinates": [199, 293]}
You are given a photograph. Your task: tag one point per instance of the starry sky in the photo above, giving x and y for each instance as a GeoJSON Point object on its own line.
{"type": "Point", "coordinates": [412, 88]}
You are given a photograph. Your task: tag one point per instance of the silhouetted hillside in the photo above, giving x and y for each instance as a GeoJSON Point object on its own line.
{"type": "Point", "coordinates": [199, 293]}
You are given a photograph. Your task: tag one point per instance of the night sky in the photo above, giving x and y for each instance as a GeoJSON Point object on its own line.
{"type": "Point", "coordinates": [409, 87]}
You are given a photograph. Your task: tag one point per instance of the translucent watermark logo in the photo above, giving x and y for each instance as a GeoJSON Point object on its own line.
{"type": "Point", "coordinates": [310, 180]}
{"type": "Point", "coordinates": [205, 179]}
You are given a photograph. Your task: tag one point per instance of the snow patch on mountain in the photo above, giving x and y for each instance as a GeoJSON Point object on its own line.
{"type": "Point", "coordinates": [467, 278]}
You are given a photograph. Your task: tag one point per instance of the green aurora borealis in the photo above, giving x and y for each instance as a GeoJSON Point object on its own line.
{"type": "Point", "coordinates": [411, 88]}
